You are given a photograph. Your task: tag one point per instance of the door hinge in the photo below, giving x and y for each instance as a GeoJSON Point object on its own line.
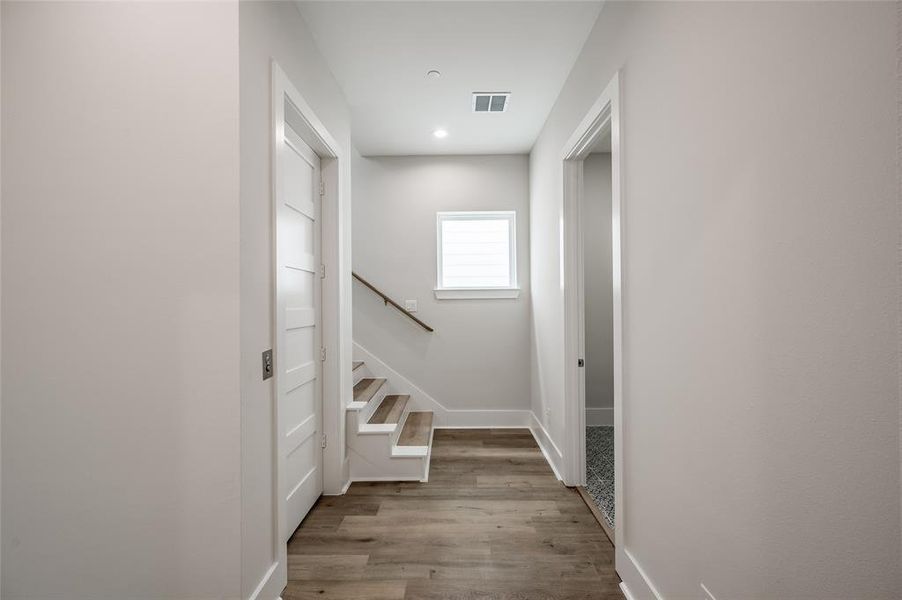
{"type": "Point", "coordinates": [580, 363]}
{"type": "Point", "coordinates": [322, 353]}
{"type": "Point", "coordinates": [322, 188]}
{"type": "Point", "coordinates": [322, 271]}
{"type": "Point", "coordinates": [324, 442]}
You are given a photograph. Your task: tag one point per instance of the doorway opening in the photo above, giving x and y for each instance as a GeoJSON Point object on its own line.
{"type": "Point", "coordinates": [592, 312]}
{"type": "Point", "coordinates": [598, 331]}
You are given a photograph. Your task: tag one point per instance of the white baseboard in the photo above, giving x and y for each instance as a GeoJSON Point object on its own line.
{"type": "Point", "coordinates": [517, 426]}
{"type": "Point", "coordinates": [386, 479]}
{"type": "Point", "coordinates": [546, 445]}
{"type": "Point", "coordinates": [600, 417]}
{"type": "Point", "coordinates": [444, 417]}
{"type": "Point", "coordinates": [625, 590]}
{"type": "Point", "coordinates": [346, 478]}
{"type": "Point", "coordinates": [636, 585]}
{"type": "Point", "coordinates": [268, 588]}
{"type": "Point", "coordinates": [344, 489]}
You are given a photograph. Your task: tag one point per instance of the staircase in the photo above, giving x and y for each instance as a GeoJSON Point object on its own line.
{"type": "Point", "coordinates": [388, 438]}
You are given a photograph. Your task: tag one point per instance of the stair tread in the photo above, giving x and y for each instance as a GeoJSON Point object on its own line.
{"type": "Point", "coordinates": [366, 388]}
{"type": "Point", "coordinates": [390, 410]}
{"type": "Point", "coordinates": [417, 429]}
{"type": "Point", "coordinates": [355, 364]}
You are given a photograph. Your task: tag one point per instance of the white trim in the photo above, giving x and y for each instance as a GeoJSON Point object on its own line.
{"type": "Point", "coordinates": [267, 588]}
{"type": "Point", "coordinates": [476, 293]}
{"type": "Point", "coordinates": [335, 372]}
{"type": "Point", "coordinates": [634, 576]}
{"type": "Point", "coordinates": [346, 470]}
{"type": "Point", "coordinates": [598, 121]}
{"type": "Point", "coordinates": [483, 426]}
{"type": "Point", "coordinates": [599, 417]}
{"type": "Point", "coordinates": [390, 477]}
{"type": "Point", "coordinates": [549, 450]}
{"type": "Point", "coordinates": [342, 491]}
{"type": "Point", "coordinates": [443, 418]}
{"type": "Point", "coordinates": [410, 451]}
{"type": "Point", "coordinates": [602, 117]}
{"type": "Point", "coordinates": [478, 215]}
{"type": "Point", "coordinates": [623, 590]}
{"type": "Point", "coordinates": [707, 591]}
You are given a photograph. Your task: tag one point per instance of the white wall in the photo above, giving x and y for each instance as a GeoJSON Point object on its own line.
{"type": "Point", "coordinates": [120, 307]}
{"type": "Point", "coordinates": [275, 30]}
{"type": "Point", "coordinates": [477, 358]}
{"type": "Point", "coordinates": [1, 296]}
{"type": "Point", "coordinates": [760, 292]}
{"type": "Point", "coordinates": [599, 325]}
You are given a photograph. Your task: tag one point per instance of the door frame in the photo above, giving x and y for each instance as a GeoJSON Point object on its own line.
{"type": "Point", "coordinates": [313, 132]}
{"type": "Point", "coordinates": [603, 116]}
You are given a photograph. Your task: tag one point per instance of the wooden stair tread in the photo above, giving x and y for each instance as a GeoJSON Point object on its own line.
{"type": "Point", "coordinates": [366, 388]}
{"type": "Point", "coordinates": [417, 429]}
{"type": "Point", "coordinates": [390, 410]}
{"type": "Point", "coordinates": [356, 364]}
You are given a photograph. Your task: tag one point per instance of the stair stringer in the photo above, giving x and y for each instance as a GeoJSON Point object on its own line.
{"type": "Point", "coordinates": [372, 451]}
{"type": "Point", "coordinates": [373, 458]}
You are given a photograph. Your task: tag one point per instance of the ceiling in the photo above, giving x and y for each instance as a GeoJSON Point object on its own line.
{"type": "Point", "coordinates": [380, 53]}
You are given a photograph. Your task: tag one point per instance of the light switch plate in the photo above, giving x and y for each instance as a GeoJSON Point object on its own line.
{"type": "Point", "coordinates": [410, 305]}
{"type": "Point", "coordinates": [267, 364]}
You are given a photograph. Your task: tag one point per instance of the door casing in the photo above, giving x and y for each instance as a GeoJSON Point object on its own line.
{"type": "Point", "coordinates": [602, 117]}
{"type": "Point", "coordinates": [290, 106]}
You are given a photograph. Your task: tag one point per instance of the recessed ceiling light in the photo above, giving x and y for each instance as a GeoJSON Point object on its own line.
{"type": "Point", "coordinates": [433, 74]}
{"type": "Point", "coordinates": [440, 133]}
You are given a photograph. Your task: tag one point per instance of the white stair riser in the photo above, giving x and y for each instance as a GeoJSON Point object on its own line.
{"type": "Point", "coordinates": [381, 467]}
{"type": "Point", "coordinates": [368, 444]}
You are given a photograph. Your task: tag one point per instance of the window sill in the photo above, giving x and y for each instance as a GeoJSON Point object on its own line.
{"type": "Point", "coordinates": [477, 294]}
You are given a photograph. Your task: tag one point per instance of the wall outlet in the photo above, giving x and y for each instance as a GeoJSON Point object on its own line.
{"type": "Point", "coordinates": [410, 305]}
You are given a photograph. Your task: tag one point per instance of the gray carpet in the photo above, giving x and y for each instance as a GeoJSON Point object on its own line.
{"type": "Point", "coordinates": [600, 469]}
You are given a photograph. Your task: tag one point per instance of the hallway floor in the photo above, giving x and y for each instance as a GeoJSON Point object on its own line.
{"type": "Point", "coordinates": [600, 470]}
{"type": "Point", "coordinates": [492, 523]}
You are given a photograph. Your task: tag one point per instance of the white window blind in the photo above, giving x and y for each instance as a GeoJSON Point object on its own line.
{"type": "Point", "coordinates": [476, 250]}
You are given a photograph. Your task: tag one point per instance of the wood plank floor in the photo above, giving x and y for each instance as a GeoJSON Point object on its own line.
{"type": "Point", "coordinates": [491, 523]}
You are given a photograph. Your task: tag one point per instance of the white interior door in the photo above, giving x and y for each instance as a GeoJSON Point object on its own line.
{"type": "Point", "coordinates": [298, 324]}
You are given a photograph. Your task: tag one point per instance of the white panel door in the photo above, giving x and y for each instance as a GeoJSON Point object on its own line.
{"type": "Point", "coordinates": [298, 328]}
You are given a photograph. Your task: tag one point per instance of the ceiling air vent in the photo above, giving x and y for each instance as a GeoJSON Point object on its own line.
{"type": "Point", "coordinates": [490, 102]}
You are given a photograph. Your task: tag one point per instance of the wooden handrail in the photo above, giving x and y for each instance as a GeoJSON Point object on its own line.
{"type": "Point", "coordinates": [388, 301]}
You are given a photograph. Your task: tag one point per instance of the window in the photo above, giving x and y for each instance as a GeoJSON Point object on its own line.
{"type": "Point", "coordinates": [477, 255]}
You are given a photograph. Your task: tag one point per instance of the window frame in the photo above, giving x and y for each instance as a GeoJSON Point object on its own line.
{"type": "Point", "coordinates": [479, 292]}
